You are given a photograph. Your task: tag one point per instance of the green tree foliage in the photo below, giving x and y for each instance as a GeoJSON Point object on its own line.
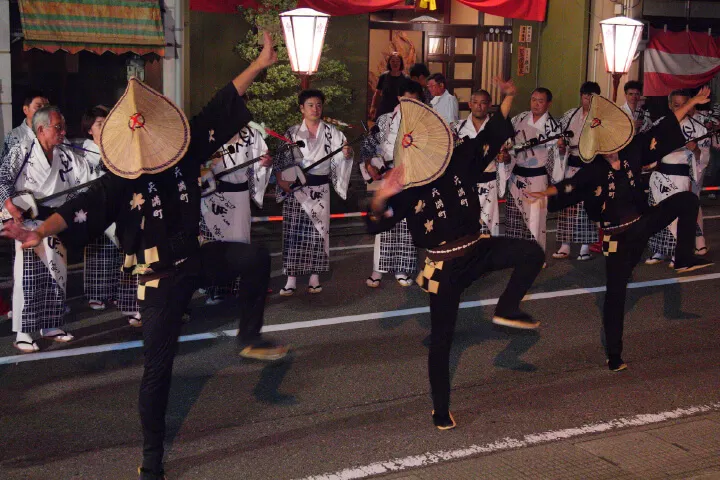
{"type": "Point", "coordinates": [272, 98]}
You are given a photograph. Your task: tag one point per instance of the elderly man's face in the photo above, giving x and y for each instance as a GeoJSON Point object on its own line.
{"type": "Point", "coordinates": [678, 101]}
{"type": "Point", "coordinates": [539, 103]}
{"type": "Point", "coordinates": [436, 89]}
{"type": "Point", "coordinates": [36, 104]}
{"type": "Point", "coordinates": [53, 134]}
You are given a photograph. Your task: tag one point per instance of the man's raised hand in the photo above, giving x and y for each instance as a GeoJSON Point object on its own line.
{"type": "Point", "coordinates": [506, 87]}
{"type": "Point", "coordinates": [268, 55]}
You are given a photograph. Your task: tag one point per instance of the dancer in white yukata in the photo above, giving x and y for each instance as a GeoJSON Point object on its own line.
{"type": "Point", "coordinates": [23, 133]}
{"type": "Point", "coordinates": [574, 225]}
{"type": "Point", "coordinates": [394, 250]}
{"type": "Point", "coordinates": [493, 181]}
{"type": "Point", "coordinates": [680, 171]}
{"type": "Point", "coordinates": [226, 213]}
{"type": "Point", "coordinates": [104, 280]}
{"type": "Point", "coordinates": [42, 167]}
{"type": "Point", "coordinates": [530, 168]}
{"type": "Point", "coordinates": [306, 211]}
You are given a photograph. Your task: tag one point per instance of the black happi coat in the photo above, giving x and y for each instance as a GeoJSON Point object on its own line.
{"type": "Point", "coordinates": [448, 208]}
{"type": "Point", "coordinates": [614, 197]}
{"type": "Point", "coordinates": [157, 215]}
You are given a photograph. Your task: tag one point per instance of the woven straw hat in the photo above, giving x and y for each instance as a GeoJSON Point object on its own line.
{"type": "Point", "coordinates": [144, 133]}
{"type": "Point", "coordinates": [424, 143]}
{"type": "Point", "coordinates": [607, 129]}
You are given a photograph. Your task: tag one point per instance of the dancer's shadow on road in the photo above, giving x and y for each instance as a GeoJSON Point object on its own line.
{"type": "Point", "coordinates": [186, 391]}
{"type": "Point", "coordinates": [474, 331]}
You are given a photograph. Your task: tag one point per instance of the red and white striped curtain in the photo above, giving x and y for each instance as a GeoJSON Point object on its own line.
{"type": "Point", "coordinates": [675, 60]}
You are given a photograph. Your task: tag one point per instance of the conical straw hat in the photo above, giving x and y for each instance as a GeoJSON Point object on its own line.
{"type": "Point", "coordinates": [607, 129]}
{"type": "Point", "coordinates": [424, 143]}
{"type": "Point", "coordinates": [144, 133]}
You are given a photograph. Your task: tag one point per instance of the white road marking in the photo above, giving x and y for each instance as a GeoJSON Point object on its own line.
{"type": "Point", "coordinates": [432, 458]}
{"type": "Point", "coordinates": [337, 249]}
{"type": "Point", "coordinates": [72, 352]}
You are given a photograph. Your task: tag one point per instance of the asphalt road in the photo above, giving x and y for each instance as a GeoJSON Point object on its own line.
{"type": "Point", "coordinates": [355, 391]}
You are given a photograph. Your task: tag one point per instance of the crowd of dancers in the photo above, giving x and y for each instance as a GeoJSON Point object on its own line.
{"type": "Point", "coordinates": [161, 206]}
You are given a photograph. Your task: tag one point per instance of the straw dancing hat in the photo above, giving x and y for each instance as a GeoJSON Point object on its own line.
{"type": "Point", "coordinates": [144, 133]}
{"type": "Point", "coordinates": [424, 143]}
{"type": "Point", "coordinates": [607, 129]}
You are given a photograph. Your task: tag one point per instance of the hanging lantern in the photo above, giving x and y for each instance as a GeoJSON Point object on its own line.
{"type": "Point", "coordinates": [304, 30]}
{"type": "Point", "coordinates": [621, 36]}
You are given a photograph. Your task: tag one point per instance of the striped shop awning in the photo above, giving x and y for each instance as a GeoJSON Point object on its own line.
{"type": "Point", "coordinates": [97, 26]}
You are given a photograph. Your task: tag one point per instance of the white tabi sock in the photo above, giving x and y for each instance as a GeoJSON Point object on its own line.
{"type": "Point", "coordinates": [291, 282]}
{"type": "Point", "coordinates": [23, 337]}
{"type": "Point", "coordinates": [585, 250]}
{"type": "Point", "coordinates": [376, 275]}
{"type": "Point", "coordinates": [564, 248]}
{"type": "Point", "coordinates": [314, 280]}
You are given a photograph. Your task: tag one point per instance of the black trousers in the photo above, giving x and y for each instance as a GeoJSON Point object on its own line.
{"type": "Point", "coordinates": [630, 245]}
{"type": "Point", "coordinates": [162, 310]}
{"type": "Point", "coordinates": [489, 254]}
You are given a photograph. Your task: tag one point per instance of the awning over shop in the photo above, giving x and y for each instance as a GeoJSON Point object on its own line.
{"type": "Point", "coordinates": [97, 26]}
{"type": "Point", "coordinates": [521, 9]}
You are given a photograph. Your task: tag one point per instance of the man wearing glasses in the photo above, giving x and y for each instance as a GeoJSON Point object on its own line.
{"type": "Point", "coordinates": [43, 166]}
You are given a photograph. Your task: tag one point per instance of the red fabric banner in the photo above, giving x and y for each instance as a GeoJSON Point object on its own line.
{"type": "Point", "coordinates": [522, 9]}
{"type": "Point", "coordinates": [348, 7]}
{"type": "Point", "coordinates": [331, 7]}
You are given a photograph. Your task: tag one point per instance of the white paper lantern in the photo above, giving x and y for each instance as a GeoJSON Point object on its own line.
{"type": "Point", "coordinates": [304, 30]}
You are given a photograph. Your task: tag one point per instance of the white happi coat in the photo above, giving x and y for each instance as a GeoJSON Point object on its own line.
{"type": "Point", "coordinates": [572, 121]}
{"type": "Point", "coordinates": [663, 185]}
{"type": "Point", "coordinates": [490, 192]}
{"type": "Point", "coordinates": [41, 179]}
{"type": "Point", "coordinates": [227, 214]}
{"type": "Point", "coordinates": [543, 156]}
{"type": "Point", "coordinates": [91, 153]}
{"type": "Point", "coordinates": [315, 201]}
{"type": "Point", "coordinates": [639, 114]}
{"type": "Point", "coordinates": [18, 135]}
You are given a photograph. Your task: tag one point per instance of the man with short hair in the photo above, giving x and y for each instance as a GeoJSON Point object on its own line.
{"type": "Point", "coordinates": [530, 168]}
{"type": "Point", "coordinates": [492, 182]}
{"type": "Point", "coordinates": [306, 210]}
{"type": "Point", "coordinates": [443, 101]}
{"type": "Point", "coordinates": [394, 249]}
{"type": "Point", "coordinates": [419, 72]}
{"type": "Point", "coordinates": [573, 225]}
{"type": "Point", "coordinates": [33, 101]}
{"type": "Point", "coordinates": [633, 106]}
{"type": "Point", "coordinates": [43, 166]}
